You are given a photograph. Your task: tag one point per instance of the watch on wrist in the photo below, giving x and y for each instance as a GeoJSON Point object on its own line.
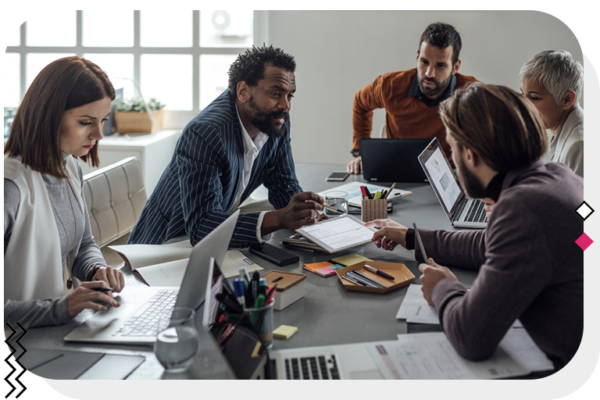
{"type": "Point", "coordinates": [355, 152]}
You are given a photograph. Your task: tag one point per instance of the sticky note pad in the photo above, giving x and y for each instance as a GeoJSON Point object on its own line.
{"type": "Point", "coordinates": [315, 266]}
{"type": "Point", "coordinates": [325, 272]}
{"type": "Point", "coordinates": [284, 331]}
{"type": "Point", "coordinates": [350, 259]}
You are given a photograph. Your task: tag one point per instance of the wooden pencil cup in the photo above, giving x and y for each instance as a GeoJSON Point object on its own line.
{"type": "Point", "coordinates": [374, 209]}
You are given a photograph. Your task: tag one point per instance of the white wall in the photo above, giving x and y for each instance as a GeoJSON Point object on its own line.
{"type": "Point", "coordinates": [339, 52]}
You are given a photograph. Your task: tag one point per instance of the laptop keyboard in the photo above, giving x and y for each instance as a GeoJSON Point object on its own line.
{"type": "Point", "coordinates": [476, 212]}
{"type": "Point", "coordinates": [311, 368]}
{"type": "Point", "coordinates": [144, 322]}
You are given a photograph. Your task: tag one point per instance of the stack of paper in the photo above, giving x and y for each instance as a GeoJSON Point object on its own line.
{"type": "Point", "coordinates": [431, 356]}
{"type": "Point", "coordinates": [165, 265]}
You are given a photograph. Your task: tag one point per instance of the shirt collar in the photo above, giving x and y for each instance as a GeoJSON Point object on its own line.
{"type": "Point", "coordinates": [415, 91]}
{"type": "Point", "coordinates": [494, 188]}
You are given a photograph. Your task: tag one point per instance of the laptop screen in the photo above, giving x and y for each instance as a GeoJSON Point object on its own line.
{"type": "Point", "coordinates": [442, 178]}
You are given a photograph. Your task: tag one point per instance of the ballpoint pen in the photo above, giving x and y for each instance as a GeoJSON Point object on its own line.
{"type": "Point", "coordinates": [390, 190]}
{"type": "Point", "coordinates": [378, 272]}
{"type": "Point", "coordinates": [358, 278]}
{"type": "Point", "coordinates": [366, 278]}
{"type": "Point", "coordinates": [420, 242]}
{"type": "Point", "coordinates": [353, 281]}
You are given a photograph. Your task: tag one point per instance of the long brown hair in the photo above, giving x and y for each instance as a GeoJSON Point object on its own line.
{"type": "Point", "coordinates": [497, 123]}
{"type": "Point", "coordinates": [62, 85]}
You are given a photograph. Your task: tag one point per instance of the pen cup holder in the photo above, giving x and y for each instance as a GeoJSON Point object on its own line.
{"type": "Point", "coordinates": [374, 209]}
{"type": "Point", "coordinates": [261, 320]}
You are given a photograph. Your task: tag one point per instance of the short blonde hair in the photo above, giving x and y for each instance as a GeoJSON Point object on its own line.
{"type": "Point", "coordinates": [557, 71]}
{"type": "Point", "coordinates": [497, 123]}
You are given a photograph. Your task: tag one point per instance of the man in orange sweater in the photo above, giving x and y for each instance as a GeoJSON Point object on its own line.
{"type": "Point", "coordinates": [411, 98]}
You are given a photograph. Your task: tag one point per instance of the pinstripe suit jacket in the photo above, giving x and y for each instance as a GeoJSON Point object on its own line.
{"type": "Point", "coordinates": [200, 183]}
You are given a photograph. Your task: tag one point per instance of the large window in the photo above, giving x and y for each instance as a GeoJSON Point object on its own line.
{"type": "Point", "coordinates": [179, 57]}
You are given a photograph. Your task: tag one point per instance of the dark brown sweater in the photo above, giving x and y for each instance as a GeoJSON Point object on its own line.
{"type": "Point", "coordinates": [529, 267]}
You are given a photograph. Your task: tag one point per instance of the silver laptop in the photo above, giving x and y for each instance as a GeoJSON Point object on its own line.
{"type": "Point", "coordinates": [462, 211]}
{"type": "Point", "coordinates": [347, 361]}
{"type": "Point", "coordinates": [136, 320]}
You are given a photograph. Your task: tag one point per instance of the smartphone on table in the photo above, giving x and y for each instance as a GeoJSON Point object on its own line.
{"type": "Point", "coordinates": [338, 176]}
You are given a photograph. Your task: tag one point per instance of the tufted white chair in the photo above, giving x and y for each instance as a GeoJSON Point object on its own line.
{"type": "Point", "coordinates": [115, 197]}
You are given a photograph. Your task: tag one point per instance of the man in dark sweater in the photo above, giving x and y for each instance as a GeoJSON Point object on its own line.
{"type": "Point", "coordinates": [529, 264]}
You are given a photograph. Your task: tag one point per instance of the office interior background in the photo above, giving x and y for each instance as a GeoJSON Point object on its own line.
{"type": "Point", "coordinates": [182, 57]}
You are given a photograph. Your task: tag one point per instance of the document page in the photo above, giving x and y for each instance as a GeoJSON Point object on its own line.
{"type": "Point", "coordinates": [414, 308]}
{"type": "Point", "coordinates": [338, 233]}
{"type": "Point", "coordinates": [165, 274]}
{"type": "Point", "coordinates": [234, 259]}
{"type": "Point", "coordinates": [142, 255]}
{"type": "Point", "coordinates": [431, 356]}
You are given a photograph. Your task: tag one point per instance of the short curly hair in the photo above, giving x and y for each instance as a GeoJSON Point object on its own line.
{"type": "Point", "coordinates": [442, 35]}
{"type": "Point", "coordinates": [250, 66]}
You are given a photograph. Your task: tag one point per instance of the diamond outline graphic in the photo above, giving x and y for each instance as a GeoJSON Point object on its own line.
{"type": "Point", "coordinates": [584, 241]}
{"type": "Point", "coordinates": [588, 206]}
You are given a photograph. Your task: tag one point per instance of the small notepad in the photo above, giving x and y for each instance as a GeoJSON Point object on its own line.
{"type": "Point", "coordinates": [284, 331]}
{"type": "Point", "coordinates": [349, 259]}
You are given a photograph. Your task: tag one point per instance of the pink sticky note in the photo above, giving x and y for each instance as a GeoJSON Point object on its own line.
{"type": "Point", "coordinates": [325, 272]}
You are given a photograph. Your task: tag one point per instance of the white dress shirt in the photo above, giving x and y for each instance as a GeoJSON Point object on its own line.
{"type": "Point", "coordinates": [251, 149]}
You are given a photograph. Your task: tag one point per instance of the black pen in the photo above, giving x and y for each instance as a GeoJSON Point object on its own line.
{"type": "Point", "coordinates": [378, 272]}
{"type": "Point", "coordinates": [103, 289]}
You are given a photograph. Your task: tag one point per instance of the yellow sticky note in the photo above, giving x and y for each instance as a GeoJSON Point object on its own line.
{"type": "Point", "coordinates": [257, 350]}
{"type": "Point", "coordinates": [350, 259]}
{"type": "Point", "coordinates": [284, 331]}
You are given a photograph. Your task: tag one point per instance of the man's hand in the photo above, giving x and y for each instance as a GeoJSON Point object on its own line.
{"type": "Point", "coordinates": [113, 278]}
{"type": "Point", "coordinates": [489, 206]}
{"type": "Point", "coordinates": [390, 235]}
{"type": "Point", "coordinates": [355, 166]}
{"type": "Point", "coordinates": [303, 209]}
{"type": "Point", "coordinates": [432, 274]}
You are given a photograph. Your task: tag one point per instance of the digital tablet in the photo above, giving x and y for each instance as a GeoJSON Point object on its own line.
{"type": "Point", "coordinates": [338, 234]}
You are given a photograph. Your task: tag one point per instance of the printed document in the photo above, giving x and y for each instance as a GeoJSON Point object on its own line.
{"type": "Point", "coordinates": [431, 356]}
{"type": "Point", "coordinates": [338, 233]}
{"type": "Point", "coordinates": [414, 308]}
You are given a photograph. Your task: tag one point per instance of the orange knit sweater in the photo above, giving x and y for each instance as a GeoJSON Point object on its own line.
{"type": "Point", "coordinates": [406, 117]}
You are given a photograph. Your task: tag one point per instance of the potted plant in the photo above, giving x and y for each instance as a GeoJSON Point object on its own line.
{"type": "Point", "coordinates": [132, 115]}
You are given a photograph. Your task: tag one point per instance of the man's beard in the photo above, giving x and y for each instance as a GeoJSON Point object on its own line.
{"type": "Point", "coordinates": [439, 87]}
{"type": "Point", "coordinates": [264, 120]}
{"type": "Point", "coordinates": [470, 183]}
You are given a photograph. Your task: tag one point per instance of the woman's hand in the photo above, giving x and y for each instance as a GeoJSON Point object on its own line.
{"type": "Point", "coordinates": [390, 235]}
{"type": "Point", "coordinates": [113, 278]}
{"type": "Point", "coordinates": [84, 296]}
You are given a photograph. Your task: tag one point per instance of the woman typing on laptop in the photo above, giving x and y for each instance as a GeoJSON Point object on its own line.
{"type": "Point", "coordinates": [47, 236]}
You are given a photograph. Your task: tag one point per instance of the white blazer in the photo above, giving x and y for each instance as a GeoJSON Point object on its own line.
{"type": "Point", "coordinates": [567, 146]}
{"type": "Point", "coordinates": [32, 261]}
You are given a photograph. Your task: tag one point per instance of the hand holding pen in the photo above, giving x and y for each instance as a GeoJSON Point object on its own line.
{"type": "Point", "coordinates": [390, 235]}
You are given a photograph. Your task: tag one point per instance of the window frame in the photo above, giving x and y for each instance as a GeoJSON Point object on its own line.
{"type": "Point", "coordinates": [173, 118]}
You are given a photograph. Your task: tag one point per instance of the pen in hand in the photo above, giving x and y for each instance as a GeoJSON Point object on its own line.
{"type": "Point", "coordinates": [103, 289]}
{"type": "Point", "coordinates": [420, 243]}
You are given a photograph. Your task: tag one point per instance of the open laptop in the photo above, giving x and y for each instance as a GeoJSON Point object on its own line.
{"type": "Point", "coordinates": [136, 320]}
{"type": "Point", "coordinates": [392, 160]}
{"type": "Point", "coordinates": [347, 361]}
{"type": "Point", "coordinates": [461, 211]}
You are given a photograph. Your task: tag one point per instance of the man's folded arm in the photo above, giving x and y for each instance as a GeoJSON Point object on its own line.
{"type": "Point", "coordinates": [366, 100]}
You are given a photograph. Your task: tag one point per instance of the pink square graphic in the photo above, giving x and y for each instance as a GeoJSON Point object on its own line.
{"type": "Point", "coordinates": [584, 242]}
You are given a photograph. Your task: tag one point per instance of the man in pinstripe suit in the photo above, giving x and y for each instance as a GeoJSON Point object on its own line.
{"type": "Point", "coordinates": [240, 141]}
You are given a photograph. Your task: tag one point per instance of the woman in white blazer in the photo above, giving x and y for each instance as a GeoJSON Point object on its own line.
{"type": "Point", "coordinates": [47, 236]}
{"type": "Point", "coordinates": [553, 81]}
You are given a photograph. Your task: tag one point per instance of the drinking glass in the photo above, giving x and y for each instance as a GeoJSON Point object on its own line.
{"type": "Point", "coordinates": [336, 199]}
{"type": "Point", "coordinates": [177, 339]}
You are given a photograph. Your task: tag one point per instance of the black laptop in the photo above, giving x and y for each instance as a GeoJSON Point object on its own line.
{"type": "Point", "coordinates": [393, 160]}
